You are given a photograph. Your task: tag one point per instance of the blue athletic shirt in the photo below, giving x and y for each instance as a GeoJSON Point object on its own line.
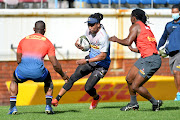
{"type": "Point", "coordinates": [99, 43]}
{"type": "Point", "coordinates": [172, 35]}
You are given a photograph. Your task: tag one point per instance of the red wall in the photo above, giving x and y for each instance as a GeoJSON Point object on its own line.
{"type": "Point", "coordinates": [7, 68]}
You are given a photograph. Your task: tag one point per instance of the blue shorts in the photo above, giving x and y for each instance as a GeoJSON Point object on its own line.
{"type": "Point", "coordinates": [21, 79]}
{"type": "Point", "coordinates": [148, 66]}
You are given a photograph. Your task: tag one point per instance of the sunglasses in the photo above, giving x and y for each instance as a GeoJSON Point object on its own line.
{"type": "Point", "coordinates": [90, 24]}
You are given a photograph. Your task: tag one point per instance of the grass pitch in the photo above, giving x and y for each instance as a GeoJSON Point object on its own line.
{"type": "Point", "coordinates": [105, 111]}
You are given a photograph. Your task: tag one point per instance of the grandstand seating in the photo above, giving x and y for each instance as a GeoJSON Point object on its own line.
{"type": "Point", "coordinates": [32, 4]}
{"type": "Point", "coordinates": [104, 1]}
{"type": "Point", "coordinates": [100, 3]}
{"type": "Point", "coordinates": [40, 0]}
{"type": "Point", "coordinates": [160, 1]}
{"type": "Point", "coordinates": [133, 1]}
{"type": "Point", "coordinates": [2, 4]}
{"type": "Point", "coordinates": [31, 1]}
{"type": "Point", "coordinates": [117, 1]}
{"type": "Point", "coordinates": [144, 2]}
{"type": "Point", "coordinates": [92, 1]}
{"type": "Point", "coordinates": [173, 1]}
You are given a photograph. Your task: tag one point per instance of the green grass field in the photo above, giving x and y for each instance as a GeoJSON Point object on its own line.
{"type": "Point", "coordinates": [105, 111]}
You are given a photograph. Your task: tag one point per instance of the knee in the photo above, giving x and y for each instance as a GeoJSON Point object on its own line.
{"type": "Point", "coordinates": [134, 88]}
{"type": "Point", "coordinates": [68, 86]}
{"type": "Point", "coordinates": [176, 72]}
{"type": "Point", "coordinates": [128, 80]}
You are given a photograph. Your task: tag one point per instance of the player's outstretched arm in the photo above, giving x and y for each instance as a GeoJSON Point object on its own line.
{"type": "Point", "coordinates": [133, 32]}
{"type": "Point", "coordinates": [57, 67]}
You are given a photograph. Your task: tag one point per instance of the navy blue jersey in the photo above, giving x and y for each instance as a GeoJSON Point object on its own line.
{"type": "Point", "coordinates": [172, 36]}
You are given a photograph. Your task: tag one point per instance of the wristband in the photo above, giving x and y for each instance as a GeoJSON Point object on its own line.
{"type": "Point", "coordinates": [87, 60]}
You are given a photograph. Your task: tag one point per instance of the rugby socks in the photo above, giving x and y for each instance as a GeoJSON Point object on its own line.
{"type": "Point", "coordinates": [133, 99]}
{"type": "Point", "coordinates": [48, 100]}
{"type": "Point", "coordinates": [153, 101]}
{"type": "Point", "coordinates": [96, 98]}
{"type": "Point", "coordinates": [12, 101]}
{"type": "Point", "coordinates": [58, 97]}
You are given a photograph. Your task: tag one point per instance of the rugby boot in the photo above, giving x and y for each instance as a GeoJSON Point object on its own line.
{"type": "Point", "coordinates": [156, 107]}
{"type": "Point", "coordinates": [94, 103]}
{"type": "Point", "coordinates": [49, 110]}
{"type": "Point", "coordinates": [177, 97]}
{"type": "Point", "coordinates": [54, 102]}
{"type": "Point", "coordinates": [12, 111]}
{"type": "Point", "coordinates": [130, 106]}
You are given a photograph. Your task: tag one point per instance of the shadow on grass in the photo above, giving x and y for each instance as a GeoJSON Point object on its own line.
{"type": "Point", "coordinates": [59, 112]}
{"type": "Point", "coordinates": [164, 109]}
{"type": "Point", "coordinates": [170, 108]}
{"type": "Point", "coordinates": [23, 113]}
{"type": "Point", "coordinates": [107, 107]}
{"type": "Point", "coordinates": [55, 112]}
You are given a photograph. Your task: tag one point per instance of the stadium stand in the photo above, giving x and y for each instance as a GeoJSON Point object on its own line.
{"type": "Point", "coordinates": [160, 3]}
{"type": "Point", "coordinates": [117, 1]}
{"type": "Point", "coordinates": [2, 5]}
{"type": "Point", "coordinates": [25, 4]}
{"type": "Point", "coordinates": [115, 4]}
{"type": "Point", "coordinates": [145, 4]}
{"type": "Point", "coordinates": [92, 3]}
{"type": "Point", "coordinates": [12, 4]}
{"type": "Point", "coordinates": [104, 3]}
{"type": "Point", "coordinates": [173, 1]}
{"type": "Point", "coordinates": [124, 4]}
{"type": "Point", "coordinates": [133, 3]}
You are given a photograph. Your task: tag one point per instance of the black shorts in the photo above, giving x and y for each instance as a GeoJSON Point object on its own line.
{"type": "Point", "coordinates": [46, 80]}
{"type": "Point", "coordinates": [148, 66]}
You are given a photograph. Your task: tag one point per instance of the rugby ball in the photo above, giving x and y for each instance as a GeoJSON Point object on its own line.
{"type": "Point", "coordinates": [84, 42]}
{"type": "Point", "coordinates": [162, 52]}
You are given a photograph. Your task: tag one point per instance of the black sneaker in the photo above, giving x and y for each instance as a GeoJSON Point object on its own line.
{"type": "Point", "coordinates": [130, 106]}
{"type": "Point", "coordinates": [157, 106]}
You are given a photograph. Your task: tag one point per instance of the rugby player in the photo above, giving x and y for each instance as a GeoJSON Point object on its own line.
{"type": "Point", "coordinates": [146, 66]}
{"type": "Point", "coordinates": [30, 58]}
{"type": "Point", "coordinates": [171, 36]}
{"type": "Point", "coordinates": [96, 63]}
